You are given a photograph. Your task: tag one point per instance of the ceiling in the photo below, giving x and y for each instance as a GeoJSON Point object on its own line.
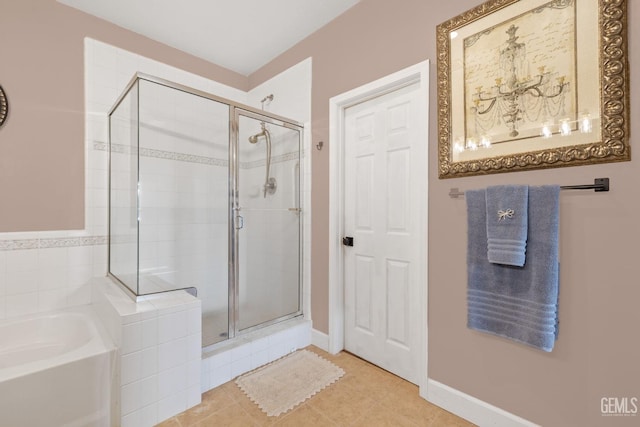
{"type": "Point", "coordinates": [241, 35]}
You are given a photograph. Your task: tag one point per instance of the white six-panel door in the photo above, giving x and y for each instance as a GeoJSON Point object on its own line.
{"type": "Point", "coordinates": [381, 213]}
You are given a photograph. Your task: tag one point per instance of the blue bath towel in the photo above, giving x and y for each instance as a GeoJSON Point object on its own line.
{"type": "Point", "coordinates": [519, 303]}
{"type": "Point", "coordinates": [507, 224]}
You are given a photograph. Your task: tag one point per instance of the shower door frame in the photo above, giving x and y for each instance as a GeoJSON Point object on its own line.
{"type": "Point", "coordinates": [234, 265]}
{"type": "Point", "coordinates": [235, 110]}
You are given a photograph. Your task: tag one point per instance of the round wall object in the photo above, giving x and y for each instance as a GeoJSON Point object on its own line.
{"type": "Point", "coordinates": [4, 106]}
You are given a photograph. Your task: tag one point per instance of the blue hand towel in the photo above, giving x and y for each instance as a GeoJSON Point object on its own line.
{"type": "Point", "coordinates": [507, 224]}
{"type": "Point", "coordinates": [516, 303]}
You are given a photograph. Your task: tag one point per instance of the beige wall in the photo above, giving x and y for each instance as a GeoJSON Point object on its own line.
{"type": "Point", "coordinates": [41, 187]}
{"type": "Point", "coordinates": [597, 352]}
{"type": "Point", "coordinates": [42, 142]}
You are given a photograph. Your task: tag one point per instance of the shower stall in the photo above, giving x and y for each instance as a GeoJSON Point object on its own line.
{"type": "Point", "coordinates": [205, 193]}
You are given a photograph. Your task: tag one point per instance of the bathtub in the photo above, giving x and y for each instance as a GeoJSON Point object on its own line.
{"type": "Point", "coordinates": [55, 370]}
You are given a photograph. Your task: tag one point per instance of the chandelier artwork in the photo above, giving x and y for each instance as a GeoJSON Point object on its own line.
{"type": "Point", "coordinates": [515, 97]}
{"type": "Point", "coordinates": [520, 85]}
{"type": "Point", "coordinates": [532, 84]}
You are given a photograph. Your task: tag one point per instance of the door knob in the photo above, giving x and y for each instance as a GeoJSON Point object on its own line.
{"type": "Point", "coordinates": [347, 241]}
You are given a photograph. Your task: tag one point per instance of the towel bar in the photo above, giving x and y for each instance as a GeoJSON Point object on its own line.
{"type": "Point", "coordinates": [599, 184]}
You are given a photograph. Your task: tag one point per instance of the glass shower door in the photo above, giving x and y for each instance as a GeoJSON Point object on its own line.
{"type": "Point", "coordinates": [183, 200]}
{"type": "Point", "coordinates": [267, 221]}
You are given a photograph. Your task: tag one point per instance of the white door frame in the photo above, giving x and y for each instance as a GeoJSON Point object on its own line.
{"type": "Point", "coordinates": [418, 73]}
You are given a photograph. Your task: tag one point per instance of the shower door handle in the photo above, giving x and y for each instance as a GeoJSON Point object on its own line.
{"type": "Point", "coordinates": [239, 222]}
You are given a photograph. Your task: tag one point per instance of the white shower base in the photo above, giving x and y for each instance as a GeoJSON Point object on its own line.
{"type": "Point", "coordinates": [214, 323]}
{"type": "Point", "coordinates": [214, 327]}
{"type": "Point", "coordinates": [226, 360]}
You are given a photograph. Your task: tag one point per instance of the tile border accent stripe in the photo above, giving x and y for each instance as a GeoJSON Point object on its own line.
{"type": "Point", "coordinates": [182, 157]}
{"type": "Point", "coordinates": [190, 158]}
{"type": "Point", "coordinates": [57, 242]}
{"type": "Point", "coordinates": [161, 154]}
{"type": "Point", "coordinates": [275, 159]}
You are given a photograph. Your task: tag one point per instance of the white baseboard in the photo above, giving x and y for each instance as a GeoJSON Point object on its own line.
{"type": "Point", "coordinates": [470, 408]}
{"type": "Point", "coordinates": [320, 339]}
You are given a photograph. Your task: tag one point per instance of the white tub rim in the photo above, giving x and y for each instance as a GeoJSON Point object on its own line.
{"type": "Point", "coordinates": [99, 342]}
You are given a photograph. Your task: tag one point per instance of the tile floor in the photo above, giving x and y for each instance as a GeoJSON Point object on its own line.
{"type": "Point", "coordinates": [365, 396]}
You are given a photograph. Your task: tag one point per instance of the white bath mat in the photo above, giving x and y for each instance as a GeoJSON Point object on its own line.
{"type": "Point", "coordinates": [283, 384]}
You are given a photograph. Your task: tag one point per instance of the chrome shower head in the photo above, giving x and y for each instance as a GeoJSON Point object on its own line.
{"type": "Point", "coordinates": [254, 138]}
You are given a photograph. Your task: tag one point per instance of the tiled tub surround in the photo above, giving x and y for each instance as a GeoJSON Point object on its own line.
{"type": "Point", "coordinates": [50, 364]}
{"type": "Point", "coordinates": [159, 342]}
{"type": "Point", "coordinates": [40, 272]}
{"type": "Point", "coordinates": [162, 368]}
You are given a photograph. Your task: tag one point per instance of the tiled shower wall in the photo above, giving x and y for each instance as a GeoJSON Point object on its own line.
{"type": "Point", "coordinates": [41, 271]}
{"type": "Point", "coordinates": [184, 144]}
{"type": "Point", "coordinates": [183, 172]}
